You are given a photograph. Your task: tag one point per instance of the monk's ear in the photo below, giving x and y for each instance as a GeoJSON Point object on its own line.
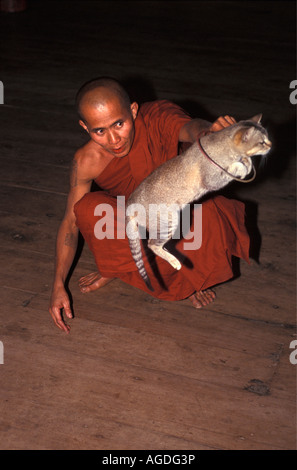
{"type": "Point", "coordinates": [82, 124]}
{"type": "Point", "coordinates": [134, 110]}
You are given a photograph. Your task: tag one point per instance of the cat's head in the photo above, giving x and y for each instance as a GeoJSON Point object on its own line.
{"type": "Point", "coordinates": [249, 138]}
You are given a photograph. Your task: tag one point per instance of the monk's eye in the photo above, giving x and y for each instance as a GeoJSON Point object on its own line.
{"type": "Point", "coordinates": [119, 124]}
{"type": "Point", "coordinates": [100, 131]}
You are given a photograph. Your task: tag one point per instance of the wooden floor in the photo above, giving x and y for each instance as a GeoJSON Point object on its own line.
{"type": "Point", "coordinates": [137, 373]}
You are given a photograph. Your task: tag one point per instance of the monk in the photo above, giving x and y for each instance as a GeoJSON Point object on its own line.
{"type": "Point", "coordinates": [127, 142]}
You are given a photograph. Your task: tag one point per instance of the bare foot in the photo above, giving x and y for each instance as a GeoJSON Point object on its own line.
{"type": "Point", "coordinates": [202, 298]}
{"type": "Point", "coordinates": [92, 281]}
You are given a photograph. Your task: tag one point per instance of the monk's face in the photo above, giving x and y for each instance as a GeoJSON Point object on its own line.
{"type": "Point", "coordinates": [111, 125]}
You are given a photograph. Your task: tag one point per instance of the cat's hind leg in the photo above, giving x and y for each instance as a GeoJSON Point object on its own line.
{"type": "Point", "coordinates": [168, 222]}
{"type": "Point", "coordinates": [157, 246]}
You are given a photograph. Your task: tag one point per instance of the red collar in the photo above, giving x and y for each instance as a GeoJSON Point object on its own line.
{"type": "Point", "coordinates": [223, 169]}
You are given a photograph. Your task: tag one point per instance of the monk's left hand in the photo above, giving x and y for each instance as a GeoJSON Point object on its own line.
{"type": "Point", "coordinates": [221, 122]}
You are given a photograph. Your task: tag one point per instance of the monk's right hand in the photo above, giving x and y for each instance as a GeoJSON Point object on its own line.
{"type": "Point", "coordinates": [60, 302]}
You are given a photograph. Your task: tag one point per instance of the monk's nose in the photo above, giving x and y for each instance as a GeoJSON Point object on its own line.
{"type": "Point", "coordinates": [113, 138]}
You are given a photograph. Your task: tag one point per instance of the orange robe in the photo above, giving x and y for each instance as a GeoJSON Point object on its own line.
{"type": "Point", "coordinates": [224, 235]}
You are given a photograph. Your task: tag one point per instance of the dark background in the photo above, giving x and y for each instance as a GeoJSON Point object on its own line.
{"type": "Point", "coordinates": [213, 57]}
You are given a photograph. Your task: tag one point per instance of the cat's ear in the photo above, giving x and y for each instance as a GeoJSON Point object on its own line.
{"type": "Point", "coordinates": [256, 119]}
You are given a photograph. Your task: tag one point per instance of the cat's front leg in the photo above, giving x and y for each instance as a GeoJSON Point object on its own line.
{"type": "Point", "coordinates": [241, 169]}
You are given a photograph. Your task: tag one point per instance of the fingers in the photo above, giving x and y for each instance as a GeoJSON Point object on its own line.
{"type": "Point", "coordinates": [58, 320]}
{"type": "Point", "coordinates": [67, 311]}
{"type": "Point", "coordinates": [228, 121]}
{"type": "Point", "coordinates": [56, 313]}
{"type": "Point", "coordinates": [222, 122]}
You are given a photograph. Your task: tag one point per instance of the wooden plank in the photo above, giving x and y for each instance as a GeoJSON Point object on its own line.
{"type": "Point", "coordinates": [37, 232]}
{"type": "Point", "coordinates": [256, 303]}
{"type": "Point", "coordinates": [37, 236]}
{"type": "Point", "coordinates": [121, 379]}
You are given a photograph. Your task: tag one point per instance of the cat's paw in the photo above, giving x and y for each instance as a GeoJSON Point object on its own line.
{"type": "Point", "coordinates": [175, 264]}
{"type": "Point", "coordinates": [240, 169]}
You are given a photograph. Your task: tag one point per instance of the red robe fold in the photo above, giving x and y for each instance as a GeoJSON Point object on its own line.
{"type": "Point", "coordinates": [224, 235]}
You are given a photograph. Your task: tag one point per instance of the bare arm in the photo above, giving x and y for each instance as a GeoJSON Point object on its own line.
{"type": "Point", "coordinates": [66, 245]}
{"type": "Point", "coordinates": [192, 129]}
{"type": "Point", "coordinates": [67, 237]}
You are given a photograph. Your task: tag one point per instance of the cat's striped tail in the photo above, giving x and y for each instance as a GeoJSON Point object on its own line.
{"type": "Point", "coordinates": [135, 248]}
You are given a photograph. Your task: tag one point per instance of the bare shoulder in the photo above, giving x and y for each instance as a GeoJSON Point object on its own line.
{"type": "Point", "coordinates": [87, 155]}
{"type": "Point", "coordinates": [87, 164]}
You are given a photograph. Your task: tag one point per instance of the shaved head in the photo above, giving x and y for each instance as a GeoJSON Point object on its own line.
{"type": "Point", "coordinates": [97, 92]}
{"type": "Point", "coordinates": [107, 115]}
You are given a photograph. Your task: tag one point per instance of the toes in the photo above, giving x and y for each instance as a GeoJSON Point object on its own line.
{"type": "Point", "coordinates": [92, 282]}
{"type": "Point", "coordinates": [88, 288]}
{"type": "Point", "coordinates": [195, 301]}
{"type": "Point", "coordinates": [90, 285]}
{"type": "Point", "coordinates": [206, 296]}
{"type": "Point", "coordinates": [84, 289]}
{"type": "Point", "coordinates": [88, 279]}
{"type": "Point", "coordinates": [202, 298]}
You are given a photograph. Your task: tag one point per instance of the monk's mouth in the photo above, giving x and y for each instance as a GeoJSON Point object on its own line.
{"type": "Point", "coordinates": [119, 150]}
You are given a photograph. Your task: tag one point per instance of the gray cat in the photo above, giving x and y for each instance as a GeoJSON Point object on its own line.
{"type": "Point", "coordinates": [208, 165]}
